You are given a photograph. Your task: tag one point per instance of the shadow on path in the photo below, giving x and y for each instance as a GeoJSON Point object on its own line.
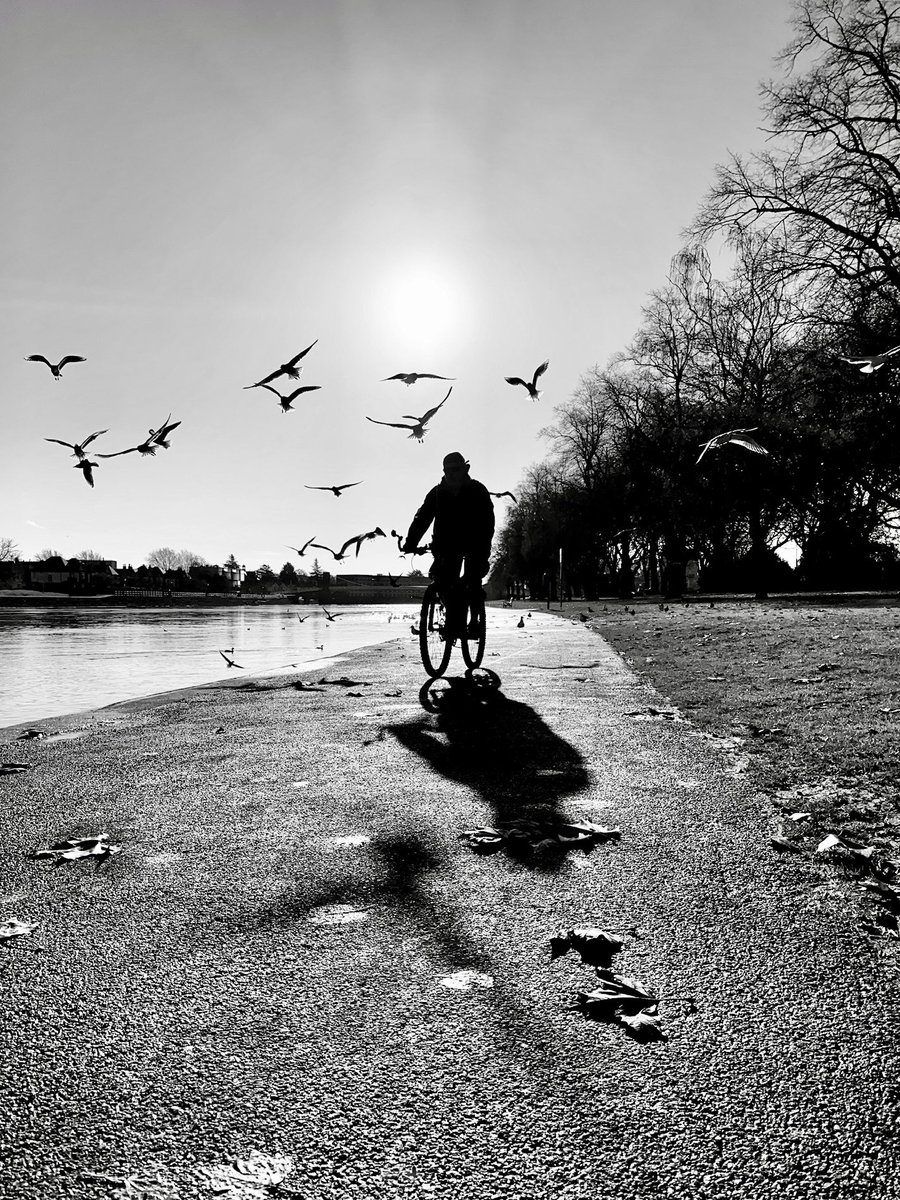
{"type": "Point", "coordinates": [501, 749]}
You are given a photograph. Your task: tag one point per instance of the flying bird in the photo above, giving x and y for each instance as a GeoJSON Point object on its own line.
{"type": "Point", "coordinates": [499, 496]}
{"type": "Point", "coordinates": [86, 467]}
{"type": "Point", "coordinates": [287, 401]}
{"type": "Point", "coordinates": [331, 487]}
{"type": "Point", "coordinates": [410, 377]}
{"type": "Point", "coordinates": [58, 366]}
{"type": "Point", "coordinates": [532, 387]}
{"type": "Point", "coordinates": [77, 448]}
{"type": "Point", "coordinates": [160, 435]}
{"type": "Point", "coordinates": [230, 661]}
{"type": "Point", "coordinates": [289, 368]}
{"type": "Point", "coordinates": [338, 554]}
{"type": "Point", "coordinates": [301, 550]}
{"type": "Point", "coordinates": [362, 537]}
{"type": "Point", "coordinates": [330, 617]}
{"type": "Point", "coordinates": [147, 446]}
{"type": "Point", "coordinates": [394, 583]}
{"type": "Point", "coordinates": [417, 430]}
{"type": "Point", "coordinates": [738, 437]}
{"type": "Point", "coordinates": [870, 362]}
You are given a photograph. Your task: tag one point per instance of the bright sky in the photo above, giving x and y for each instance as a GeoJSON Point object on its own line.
{"type": "Point", "coordinates": [195, 190]}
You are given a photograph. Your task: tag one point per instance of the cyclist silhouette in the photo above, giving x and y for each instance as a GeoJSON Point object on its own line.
{"type": "Point", "coordinates": [463, 515]}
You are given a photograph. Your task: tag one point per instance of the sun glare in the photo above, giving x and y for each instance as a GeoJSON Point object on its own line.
{"type": "Point", "coordinates": [423, 305]}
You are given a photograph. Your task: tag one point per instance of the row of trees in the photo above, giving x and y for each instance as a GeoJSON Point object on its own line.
{"type": "Point", "coordinates": [806, 238]}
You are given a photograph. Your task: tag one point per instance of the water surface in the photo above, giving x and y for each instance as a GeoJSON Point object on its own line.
{"type": "Point", "coordinates": [55, 661]}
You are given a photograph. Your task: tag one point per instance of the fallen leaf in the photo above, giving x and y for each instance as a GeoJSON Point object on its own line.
{"type": "Point", "coordinates": [828, 843]}
{"type": "Point", "coordinates": [13, 768]}
{"type": "Point", "coordinates": [70, 849]}
{"type": "Point", "coordinates": [337, 914]}
{"type": "Point", "coordinates": [464, 981]}
{"type": "Point", "coordinates": [595, 946]}
{"type": "Point", "coordinates": [643, 1025]}
{"type": "Point", "coordinates": [783, 844]}
{"type": "Point", "coordinates": [12, 928]}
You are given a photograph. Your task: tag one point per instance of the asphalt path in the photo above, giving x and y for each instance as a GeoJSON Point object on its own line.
{"type": "Point", "coordinates": [296, 954]}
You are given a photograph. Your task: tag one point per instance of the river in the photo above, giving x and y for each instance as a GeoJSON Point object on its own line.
{"type": "Point", "coordinates": [55, 661]}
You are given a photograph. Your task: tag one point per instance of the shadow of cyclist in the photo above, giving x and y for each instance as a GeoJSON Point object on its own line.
{"type": "Point", "coordinates": [501, 749]}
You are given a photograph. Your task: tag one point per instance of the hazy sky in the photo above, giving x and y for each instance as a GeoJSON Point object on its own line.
{"type": "Point", "coordinates": [194, 191]}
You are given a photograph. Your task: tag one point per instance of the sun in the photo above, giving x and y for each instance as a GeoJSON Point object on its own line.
{"type": "Point", "coordinates": [423, 306]}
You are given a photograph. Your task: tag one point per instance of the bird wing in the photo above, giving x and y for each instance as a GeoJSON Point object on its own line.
{"type": "Point", "coordinates": [399, 375]}
{"type": "Point", "coordinates": [293, 362]}
{"type": "Point", "coordinates": [350, 541]}
{"type": "Point", "coordinates": [889, 353]}
{"type": "Point", "coordinates": [428, 375]}
{"type": "Point", "coordinates": [130, 450]}
{"type": "Point", "coordinates": [539, 372]}
{"type": "Point", "coordinates": [164, 430]}
{"type": "Point", "coordinates": [341, 486]}
{"type": "Point", "coordinates": [316, 487]}
{"type": "Point", "coordinates": [429, 414]}
{"type": "Point", "coordinates": [515, 379]}
{"type": "Point", "coordinates": [749, 444]}
{"type": "Point", "coordinates": [70, 358]}
{"type": "Point", "coordinates": [60, 443]}
{"type": "Point", "coordinates": [319, 546]}
{"type": "Point", "coordinates": [315, 387]}
{"type": "Point", "coordinates": [87, 441]}
{"type": "Point", "coordinates": [268, 379]}
{"type": "Point", "coordinates": [391, 424]}
{"type": "Point", "coordinates": [39, 358]}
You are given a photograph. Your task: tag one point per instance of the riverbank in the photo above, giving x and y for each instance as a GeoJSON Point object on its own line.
{"type": "Point", "coordinates": [296, 954]}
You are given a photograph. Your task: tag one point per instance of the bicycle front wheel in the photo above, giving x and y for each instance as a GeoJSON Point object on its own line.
{"type": "Point", "coordinates": [473, 637]}
{"type": "Point", "coordinates": [435, 642]}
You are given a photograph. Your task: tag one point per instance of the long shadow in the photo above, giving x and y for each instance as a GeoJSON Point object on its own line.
{"type": "Point", "coordinates": [501, 749]}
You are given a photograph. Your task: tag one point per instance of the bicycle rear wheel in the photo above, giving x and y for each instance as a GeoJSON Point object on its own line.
{"type": "Point", "coordinates": [473, 636]}
{"type": "Point", "coordinates": [435, 642]}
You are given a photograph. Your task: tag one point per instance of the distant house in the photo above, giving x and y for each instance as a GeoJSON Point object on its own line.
{"type": "Point", "coordinates": [374, 589]}
{"type": "Point", "coordinates": [76, 575]}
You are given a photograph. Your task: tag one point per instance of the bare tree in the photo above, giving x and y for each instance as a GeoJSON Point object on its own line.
{"type": "Point", "coordinates": [8, 549]}
{"type": "Point", "coordinates": [91, 556]}
{"type": "Point", "coordinates": [43, 555]}
{"type": "Point", "coordinates": [832, 179]}
{"type": "Point", "coordinates": [168, 559]}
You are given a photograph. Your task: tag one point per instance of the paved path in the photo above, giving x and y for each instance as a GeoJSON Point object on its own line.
{"type": "Point", "coordinates": [178, 1006]}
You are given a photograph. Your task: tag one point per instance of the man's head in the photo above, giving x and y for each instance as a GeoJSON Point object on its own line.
{"type": "Point", "coordinates": [456, 470]}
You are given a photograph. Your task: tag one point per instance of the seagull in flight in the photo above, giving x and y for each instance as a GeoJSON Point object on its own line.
{"type": "Point", "coordinates": [410, 377]}
{"type": "Point", "coordinates": [500, 495]}
{"type": "Point", "coordinates": [287, 401]}
{"type": "Point", "coordinates": [57, 367]}
{"type": "Point", "coordinates": [329, 617]}
{"type": "Point", "coordinates": [301, 550]}
{"type": "Point", "coordinates": [230, 661]}
{"type": "Point", "coordinates": [155, 439]}
{"type": "Point", "coordinates": [77, 448]}
{"type": "Point", "coordinates": [338, 554]}
{"type": "Point", "coordinates": [417, 430]}
{"type": "Point", "coordinates": [363, 537]}
{"type": "Point", "coordinates": [337, 488]}
{"type": "Point", "coordinates": [289, 368]}
{"type": "Point", "coordinates": [736, 436]}
{"type": "Point", "coordinates": [870, 362]}
{"type": "Point", "coordinates": [532, 387]}
{"type": "Point", "coordinates": [86, 467]}
{"type": "Point", "coordinates": [160, 435]}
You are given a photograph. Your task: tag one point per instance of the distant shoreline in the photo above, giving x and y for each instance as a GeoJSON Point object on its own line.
{"type": "Point", "coordinates": [24, 597]}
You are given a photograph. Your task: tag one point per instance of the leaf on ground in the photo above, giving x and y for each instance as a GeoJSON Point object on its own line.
{"type": "Point", "coordinates": [253, 1178]}
{"type": "Point", "coordinates": [466, 980]}
{"type": "Point", "coordinates": [12, 928]}
{"type": "Point", "coordinates": [655, 714]}
{"type": "Point", "coordinates": [337, 914]}
{"type": "Point", "coordinates": [643, 1025]}
{"type": "Point", "coordinates": [539, 835]}
{"type": "Point", "coordinates": [14, 768]}
{"type": "Point", "coordinates": [30, 735]}
{"type": "Point", "coordinates": [70, 849]}
{"type": "Point", "coordinates": [828, 843]}
{"type": "Point", "coordinates": [785, 845]}
{"type": "Point", "coordinates": [595, 946]}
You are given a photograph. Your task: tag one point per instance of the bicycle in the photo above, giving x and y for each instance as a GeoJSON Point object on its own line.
{"type": "Point", "coordinates": [440, 625]}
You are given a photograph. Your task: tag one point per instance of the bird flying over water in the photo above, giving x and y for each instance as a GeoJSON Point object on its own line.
{"type": "Point", "coordinates": [289, 368]}
{"type": "Point", "coordinates": [287, 401]}
{"type": "Point", "coordinates": [736, 436]}
{"type": "Point", "coordinates": [301, 550]}
{"type": "Point", "coordinates": [362, 537]}
{"type": "Point", "coordinates": [417, 430]}
{"type": "Point", "coordinates": [410, 377]}
{"type": "Point", "coordinates": [86, 467]}
{"type": "Point", "coordinates": [500, 495]}
{"type": "Point", "coordinates": [230, 661]}
{"type": "Point", "coordinates": [77, 448]}
{"type": "Point", "coordinates": [337, 488]}
{"type": "Point", "coordinates": [338, 554]}
{"type": "Point", "coordinates": [870, 362]}
{"type": "Point", "coordinates": [57, 367]}
{"type": "Point", "coordinates": [329, 617]}
{"type": "Point", "coordinates": [532, 387]}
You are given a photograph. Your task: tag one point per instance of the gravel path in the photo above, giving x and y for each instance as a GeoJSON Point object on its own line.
{"type": "Point", "coordinates": [267, 964]}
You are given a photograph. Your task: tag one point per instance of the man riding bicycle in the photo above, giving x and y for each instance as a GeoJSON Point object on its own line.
{"type": "Point", "coordinates": [463, 515]}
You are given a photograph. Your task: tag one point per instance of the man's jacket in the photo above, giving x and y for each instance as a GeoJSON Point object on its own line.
{"type": "Point", "coordinates": [463, 523]}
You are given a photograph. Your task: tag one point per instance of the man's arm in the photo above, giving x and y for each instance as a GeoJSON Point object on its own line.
{"type": "Point", "coordinates": [420, 522]}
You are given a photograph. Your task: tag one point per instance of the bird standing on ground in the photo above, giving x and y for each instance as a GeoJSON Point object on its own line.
{"type": "Point", "coordinates": [870, 362]}
{"type": "Point", "coordinates": [337, 488]}
{"type": "Point", "coordinates": [287, 401]}
{"type": "Point", "coordinates": [77, 448]}
{"type": "Point", "coordinates": [289, 368]}
{"type": "Point", "coordinates": [410, 377]}
{"type": "Point", "coordinates": [56, 368]}
{"type": "Point", "coordinates": [736, 436]}
{"type": "Point", "coordinates": [417, 430]}
{"type": "Point", "coordinates": [86, 467]}
{"type": "Point", "coordinates": [532, 387]}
